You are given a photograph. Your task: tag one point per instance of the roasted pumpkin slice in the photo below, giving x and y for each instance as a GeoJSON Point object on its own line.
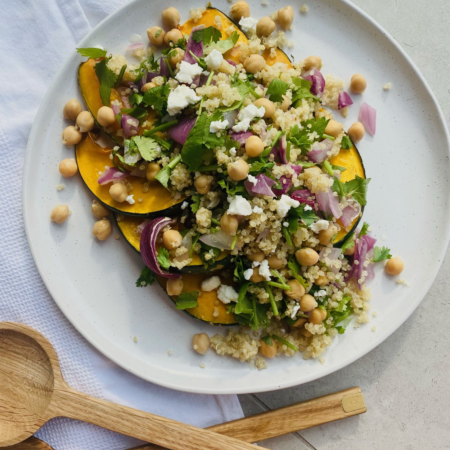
{"type": "Point", "coordinates": [128, 226]}
{"type": "Point", "coordinates": [352, 161]}
{"type": "Point", "coordinates": [210, 309]}
{"type": "Point", "coordinates": [157, 201]}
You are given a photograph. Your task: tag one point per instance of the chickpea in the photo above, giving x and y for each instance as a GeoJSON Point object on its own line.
{"type": "Point", "coordinates": [118, 192]}
{"type": "Point", "coordinates": [307, 256]}
{"type": "Point", "coordinates": [286, 17]}
{"type": "Point", "coordinates": [148, 86]}
{"type": "Point", "coordinates": [334, 128]}
{"type": "Point", "coordinates": [307, 303]}
{"type": "Point", "coordinates": [172, 239]}
{"type": "Point", "coordinates": [156, 36]}
{"type": "Point", "coordinates": [394, 266]}
{"type": "Point", "coordinates": [200, 343]}
{"type": "Point", "coordinates": [269, 351]}
{"type": "Point", "coordinates": [300, 322]}
{"type": "Point", "coordinates": [238, 170]}
{"type": "Point", "coordinates": [286, 103]}
{"type": "Point", "coordinates": [317, 316]}
{"type": "Point", "coordinates": [102, 229]}
{"type": "Point", "coordinates": [106, 116]}
{"type": "Point", "coordinates": [239, 10]}
{"type": "Point", "coordinates": [71, 136]}
{"type": "Point", "coordinates": [68, 167]}
{"type": "Point", "coordinates": [71, 109]}
{"type": "Point", "coordinates": [173, 36]}
{"type": "Point", "coordinates": [326, 235]}
{"type": "Point", "coordinates": [269, 107]}
{"type": "Point", "coordinates": [229, 224]}
{"type": "Point", "coordinates": [356, 131]}
{"type": "Point", "coordinates": [152, 170]}
{"type": "Point", "coordinates": [203, 184]}
{"type": "Point", "coordinates": [257, 256]}
{"type": "Point", "coordinates": [176, 58]}
{"type": "Point", "coordinates": [174, 286]}
{"type": "Point", "coordinates": [85, 121]}
{"type": "Point", "coordinates": [256, 277]}
{"type": "Point", "coordinates": [254, 146]}
{"type": "Point", "coordinates": [311, 62]}
{"type": "Point", "coordinates": [358, 83]}
{"type": "Point", "coordinates": [254, 63]}
{"type": "Point", "coordinates": [265, 27]}
{"type": "Point", "coordinates": [350, 251]}
{"type": "Point", "coordinates": [171, 17]}
{"type": "Point", "coordinates": [275, 263]}
{"type": "Point", "coordinates": [59, 213]}
{"type": "Point", "coordinates": [305, 332]}
{"type": "Point", "coordinates": [297, 290]}
{"type": "Point", "coordinates": [322, 280]}
{"type": "Point", "coordinates": [99, 210]}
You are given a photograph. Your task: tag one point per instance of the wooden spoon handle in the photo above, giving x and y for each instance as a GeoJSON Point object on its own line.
{"type": "Point", "coordinates": [148, 427]}
{"type": "Point", "coordinates": [286, 420]}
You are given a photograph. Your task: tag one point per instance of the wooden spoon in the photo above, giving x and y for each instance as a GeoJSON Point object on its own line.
{"type": "Point", "coordinates": [33, 391]}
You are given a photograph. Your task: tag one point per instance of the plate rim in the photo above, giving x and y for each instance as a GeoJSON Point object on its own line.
{"type": "Point", "coordinates": [381, 336]}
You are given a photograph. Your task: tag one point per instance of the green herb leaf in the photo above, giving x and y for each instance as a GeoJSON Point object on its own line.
{"type": "Point", "coordinates": [136, 112]}
{"type": "Point", "coordinates": [308, 217]}
{"type": "Point", "coordinates": [258, 167]}
{"type": "Point", "coordinates": [276, 90]}
{"type": "Point", "coordinates": [346, 143]}
{"type": "Point", "coordinates": [206, 35]}
{"type": "Point", "coordinates": [300, 137]}
{"type": "Point", "coordinates": [158, 32]}
{"type": "Point", "coordinates": [349, 242]}
{"type": "Point", "coordinates": [223, 46]}
{"type": "Point", "coordinates": [243, 90]}
{"type": "Point", "coordinates": [120, 76]}
{"type": "Point", "coordinates": [163, 175]}
{"type": "Point", "coordinates": [295, 268]}
{"type": "Point", "coordinates": [147, 277]}
{"type": "Point", "coordinates": [91, 52]}
{"type": "Point", "coordinates": [302, 90]}
{"type": "Point", "coordinates": [147, 147]}
{"type": "Point", "coordinates": [284, 342]}
{"type": "Point", "coordinates": [243, 304]}
{"type": "Point", "coordinates": [157, 98]}
{"type": "Point", "coordinates": [187, 300]}
{"type": "Point", "coordinates": [163, 258]}
{"type": "Point", "coordinates": [268, 340]}
{"type": "Point", "coordinates": [364, 229]}
{"type": "Point", "coordinates": [107, 78]}
{"type": "Point", "coordinates": [357, 189]}
{"type": "Point", "coordinates": [238, 269]}
{"type": "Point", "coordinates": [195, 205]}
{"type": "Point", "coordinates": [380, 254]}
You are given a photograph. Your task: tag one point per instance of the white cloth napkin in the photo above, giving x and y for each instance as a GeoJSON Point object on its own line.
{"type": "Point", "coordinates": [35, 37]}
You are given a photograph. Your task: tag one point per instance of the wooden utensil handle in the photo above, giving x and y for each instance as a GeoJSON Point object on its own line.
{"type": "Point", "coordinates": [297, 417]}
{"type": "Point", "coordinates": [148, 427]}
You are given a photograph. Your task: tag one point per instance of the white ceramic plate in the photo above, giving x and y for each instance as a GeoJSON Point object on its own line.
{"type": "Point", "coordinates": [94, 282]}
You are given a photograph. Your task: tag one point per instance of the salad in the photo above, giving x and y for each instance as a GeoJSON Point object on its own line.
{"type": "Point", "coordinates": [225, 166]}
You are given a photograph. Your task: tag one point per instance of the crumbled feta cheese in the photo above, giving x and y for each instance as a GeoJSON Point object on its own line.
{"type": "Point", "coordinates": [264, 270]}
{"type": "Point", "coordinates": [257, 210]}
{"type": "Point", "coordinates": [320, 293]}
{"type": "Point", "coordinates": [130, 199]}
{"type": "Point", "coordinates": [206, 73]}
{"type": "Point", "coordinates": [214, 60]}
{"type": "Point", "coordinates": [247, 23]}
{"type": "Point", "coordinates": [252, 179]}
{"type": "Point", "coordinates": [232, 151]}
{"type": "Point", "coordinates": [307, 208]}
{"type": "Point", "coordinates": [218, 125]}
{"type": "Point", "coordinates": [246, 115]}
{"type": "Point", "coordinates": [227, 294]}
{"type": "Point", "coordinates": [239, 206]}
{"type": "Point", "coordinates": [181, 97]}
{"type": "Point", "coordinates": [256, 263]}
{"type": "Point", "coordinates": [285, 224]}
{"type": "Point", "coordinates": [284, 205]}
{"type": "Point", "coordinates": [210, 284]}
{"type": "Point", "coordinates": [248, 274]}
{"type": "Point", "coordinates": [184, 205]}
{"type": "Point", "coordinates": [295, 310]}
{"type": "Point", "coordinates": [188, 72]}
{"type": "Point", "coordinates": [387, 86]}
{"type": "Point", "coordinates": [320, 225]}
{"type": "Point", "coordinates": [131, 156]}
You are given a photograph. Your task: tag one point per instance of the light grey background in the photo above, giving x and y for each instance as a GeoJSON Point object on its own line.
{"type": "Point", "coordinates": [405, 380]}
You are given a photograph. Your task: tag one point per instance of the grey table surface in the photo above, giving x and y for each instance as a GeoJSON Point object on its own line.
{"type": "Point", "coordinates": [405, 380]}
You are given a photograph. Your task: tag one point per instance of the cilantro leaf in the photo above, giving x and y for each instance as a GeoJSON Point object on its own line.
{"type": "Point", "coordinates": [260, 166]}
{"type": "Point", "coordinates": [147, 277]}
{"type": "Point", "coordinates": [136, 112]}
{"type": "Point", "coordinates": [187, 300]}
{"type": "Point", "coordinates": [301, 90]}
{"type": "Point", "coordinates": [349, 242]}
{"type": "Point", "coordinates": [243, 90]}
{"type": "Point", "coordinates": [308, 217]}
{"type": "Point", "coordinates": [295, 268]}
{"type": "Point", "coordinates": [195, 205]}
{"type": "Point", "coordinates": [267, 339]}
{"type": "Point", "coordinates": [243, 304]}
{"type": "Point", "coordinates": [164, 174]}
{"type": "Point", "coordinates": [357, 189]}
{"type": "Point", "coordinates": [380, 254]}
{"type": "Point", "coordinates": [147, 147]}
{"type": "Point", "coordinates": [157, 98]}
{"type": "Point", "coordinates": [107, 78]}
{"type": "Point", "coordinates": [163, 258]}
{"type": "Point", "coordinates": [120, 76]}
{"type": "Point", "coordinates": [364, 229]}
{"type": "Point", "coordinates": [276, 90]}
{"type": "Point", "coordinates": [346, 143]}
{"type": "Point", "coordinates": [206, 35]}
{"type": "Point", "coordinates": [232, 188]}
{"type": "Point", "coordinates": [238, 269]}
{"type": "Point", "coordinates": [300, 137]}
{"type": "Point", "coordinates": [92, 52]}
{"type": "Point", "coordinates": [223, 46]}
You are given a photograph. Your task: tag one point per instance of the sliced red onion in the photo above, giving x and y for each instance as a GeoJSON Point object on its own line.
{"type": "Point", "coordinates": [344, 100]}
{"type": "Point", "coordinates": [180, 131]}
{"type": "Point", "coordinates": [135, 46]}
{"type": "Point", "coordinates": [328, 203]}
{"type": "Point", "coordinates": [262, 186]}
{"type": "Point", "coordinates": [370, 241]}
{"type": "Point", "coordinates": [143, 80]}
{"type": "Point", "coordinates": [140, 228]}
{"type": "Point", "coordinates": [133, 86]}
{"type": "Point", "coordinates": [111, 174]}
{"type": "Point", "coordinates": [130, 125]}
{"type": "Point", "coordinates": [368, 117]}
{"type": "Point", "coordinates": [262, 235]}
{"type": "Point", "coordinates": [334, 254]}
{"type": "Point", "coordinates": [304, 196]}
{"type": "Point", "coordinates": [282, 149]}
{"type": "Point", "coordinates": [163, 69]}
{"type": "Point", "coordinates": [286, 184]}
{"type": "Point", "coordinates": [363, 246]}
{"type": "Point", "coordinates": [231, 116]}
{"type": "Point", "coordinates": [195, 47]}
{"type": "Point", "coordinates": [218, 240]}
{"type": "Point", "coordinates": [115, 108]}
{"type": "Point", "coordinates": [350, 213]}
{"type": "Point", "coordinates": [241, 137]}
{"type": "Point", "coordinates": [148, 246]}
{"type": "Point", "coordinates": [231, 62]}
{"type": "Point", "coordinates": [138, 172]}
{"type": "Point", "coordinates": [124, 97]}
{"type": "Point", "coordinates": [319, 151]}
{"type": "Point", "coordinates": [297, 168]}
{"type": "Point", "coordinates": [317, 80]}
